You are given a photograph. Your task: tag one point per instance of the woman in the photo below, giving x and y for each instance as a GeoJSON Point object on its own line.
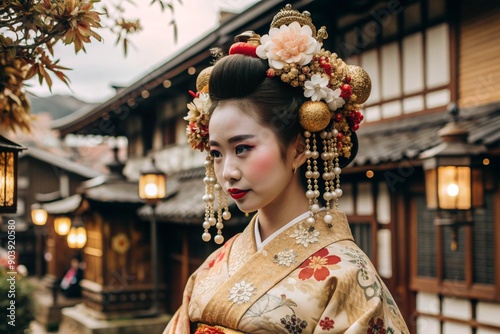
{"type": "Point", "coordinates": [295, 268]}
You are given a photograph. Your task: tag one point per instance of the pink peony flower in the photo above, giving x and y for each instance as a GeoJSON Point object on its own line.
{"type": "Point", "coordinates": [288, 44]}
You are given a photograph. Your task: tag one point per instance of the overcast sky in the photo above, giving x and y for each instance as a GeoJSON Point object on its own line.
{"type": "Point", "coordinates": [104, 64]}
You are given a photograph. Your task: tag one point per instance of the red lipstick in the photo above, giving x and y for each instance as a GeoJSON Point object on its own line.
{"type": "Point", "coordinates": [237, 193]}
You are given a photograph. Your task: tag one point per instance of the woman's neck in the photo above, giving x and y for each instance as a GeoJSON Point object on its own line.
{"type": "Point", "coordinates": [275, 215]}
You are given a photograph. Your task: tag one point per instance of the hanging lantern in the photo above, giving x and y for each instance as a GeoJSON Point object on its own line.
{"type": "Point", "coordinates": [62, 225]}
{"type": "Point", "coordinates": [77, 237]}
{"type": "Point", "coordinates": [453, 177]}
{"type": "Point", "coordinates": [38, 215]}
{"type": "Point", "coordinates": [9, 152]}
{"type": "Point", "coordinates": [152, 183]}
{"type": "Point", "coordinates": [153, 188]}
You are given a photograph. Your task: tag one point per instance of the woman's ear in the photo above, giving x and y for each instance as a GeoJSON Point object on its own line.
{"type": "Point", "coordinates": [300, 151]}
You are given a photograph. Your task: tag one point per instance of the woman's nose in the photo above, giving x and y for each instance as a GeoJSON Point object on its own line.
{"type": "Point", "coordinates": [231, 172]}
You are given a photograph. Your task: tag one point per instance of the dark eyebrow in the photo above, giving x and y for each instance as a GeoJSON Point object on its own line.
{"type": "Point", "coordinates": [232, 139]}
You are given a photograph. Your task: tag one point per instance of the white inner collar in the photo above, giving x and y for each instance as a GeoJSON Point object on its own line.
{"type": "Point", "coordinates": [258, 241]}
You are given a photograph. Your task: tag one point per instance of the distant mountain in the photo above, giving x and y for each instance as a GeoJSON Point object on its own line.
{"type": "Point", "coordinates": [57, 105]}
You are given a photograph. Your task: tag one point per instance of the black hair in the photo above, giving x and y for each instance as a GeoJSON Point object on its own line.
{"type": "Point", "coordinates": [244, 80]}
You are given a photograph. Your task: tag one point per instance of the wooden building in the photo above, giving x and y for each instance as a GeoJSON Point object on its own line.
{"type": "Point", "coordinates": [424, 57]}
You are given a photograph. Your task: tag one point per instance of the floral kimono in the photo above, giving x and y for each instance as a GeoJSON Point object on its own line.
{"type": "Point", "coordinates": [307, 279]}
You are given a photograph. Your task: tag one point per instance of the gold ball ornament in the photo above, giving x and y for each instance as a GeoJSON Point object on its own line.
{"type": "Point", "coordinates": [360, 82]}
{"type": "Point", "coordinates": [314, 116]}
{"type": "Point", "coordinates": [202, 79]}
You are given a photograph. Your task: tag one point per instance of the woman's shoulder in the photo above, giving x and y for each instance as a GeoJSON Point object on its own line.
{"type": "Point", "coordinates": [352, 258]}
{"type": "Point", "coordinates": [224, 248]}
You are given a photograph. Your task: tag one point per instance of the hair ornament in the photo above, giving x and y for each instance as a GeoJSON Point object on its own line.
{"type": "Point", "coordinates": [197, 117]}
{"type": "Point", "coordinates": [216, 206]}
{"type": "Point", "coordinates": [246, 43]}
{"type": "Point", "coordinates": [335, 91]}
{"type": "Point", "coordinates": [288, 15]}
{"type": "Point", "coordinates": [294, 51]}
{"type": "Point", "coordinates": [314, 115]}
{"type": "Point", "coordinates": [202, 80]}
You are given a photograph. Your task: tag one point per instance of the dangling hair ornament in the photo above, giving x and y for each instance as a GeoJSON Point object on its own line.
{"type": "Point", "coordinates": [197, 132]}
{"type": "Point", "coordinates": [213, 190]}
{"type": "Point", "coordinates": [336, 91]}
{"type": "Point", "coordinates": [216, 206]}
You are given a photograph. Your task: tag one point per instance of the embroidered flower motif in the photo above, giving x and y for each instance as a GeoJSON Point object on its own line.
{"type": "Point", "coordinates": [294, 324]}
{"type": "Point", "coordinates": [197, 128]}
{"type": "Point", "coordinates": [241, 292]}
{"type": "Point", "coordinates": [360, 262]}
{"type": "Point", "coordinates": [316, 264]}
{"type": "Point", "coordinates": [334, 101]}
{"type": "Point", "coordinates": [327, 324]}
{"type": "Point", "coordinates": [285, 258]}
{"type": "Point", "coordinates": [317, 88]}
{"type": "Point", "coordinates": [377, 327]}
{"type": "Point", "coordinates": [305, 235]}
{"type": "Point", "coordinates": [288, 44]}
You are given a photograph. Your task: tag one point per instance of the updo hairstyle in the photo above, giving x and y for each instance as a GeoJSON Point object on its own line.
{"type": "Point", "coordinates": [243, 79]}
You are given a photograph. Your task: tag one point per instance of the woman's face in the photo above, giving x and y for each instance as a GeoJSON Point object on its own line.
{"type": "Point", "coordinates": [248, 161]}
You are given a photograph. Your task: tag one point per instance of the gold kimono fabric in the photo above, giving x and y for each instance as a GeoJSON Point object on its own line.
{"type": "Point", "coordinates": [308, 279]}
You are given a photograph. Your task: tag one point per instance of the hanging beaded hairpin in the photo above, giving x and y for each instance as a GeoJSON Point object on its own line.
{"type": "Point", "coordinates": [197, 132]}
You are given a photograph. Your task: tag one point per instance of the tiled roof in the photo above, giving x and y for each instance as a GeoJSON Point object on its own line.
{"type": "Point", "coordinates": [63, 206]}
{"type": "Point", "coordinates": [407, 138]}
{"type": "Point", "coordinates": [114, 192]}
{"type": "Point", "coordinates": [60, 162]}
{"type": "Point", "coordinates": [105, 190]}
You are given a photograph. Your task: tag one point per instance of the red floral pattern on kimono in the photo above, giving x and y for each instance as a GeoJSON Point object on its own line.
{"type": "Point", "coordinates": [327, 324]}
{"type": "Point", "coordinates": [316, 265]}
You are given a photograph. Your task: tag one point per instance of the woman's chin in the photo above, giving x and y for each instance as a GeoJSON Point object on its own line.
{"type": "Point", "coordinates": [245, 207]}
